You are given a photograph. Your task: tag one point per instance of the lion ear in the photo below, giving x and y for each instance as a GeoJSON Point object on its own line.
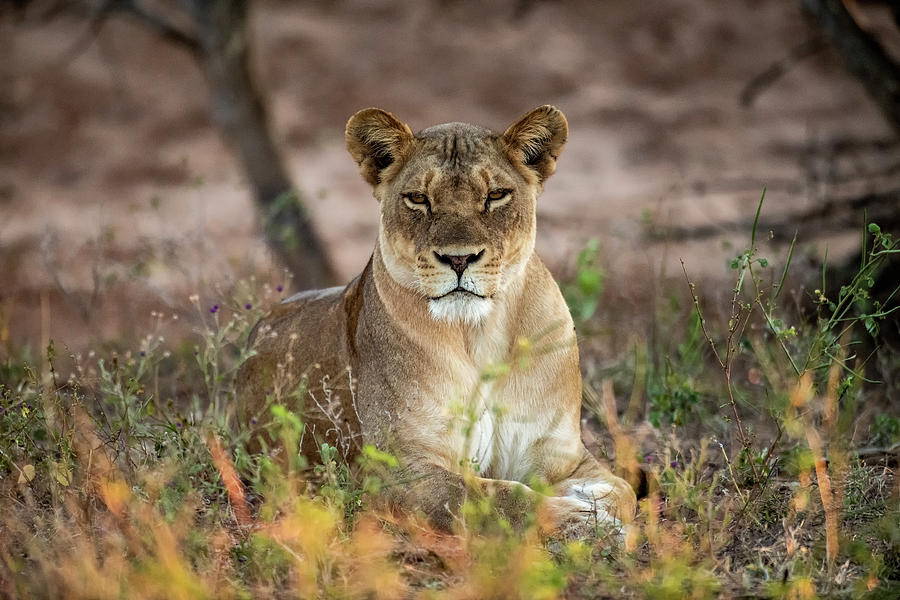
{"type": "Point", "coordinates": [377, 140]}
{"type": "Point", "coordinates": [536, 140]}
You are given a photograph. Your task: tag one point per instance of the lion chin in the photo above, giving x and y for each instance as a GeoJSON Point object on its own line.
{"type": "Point", "coordinates": [460, 307]}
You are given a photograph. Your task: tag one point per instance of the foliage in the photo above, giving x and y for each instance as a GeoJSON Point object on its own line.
{"type": "Point", "coordinates": [885, 430]}
{"type": "Point", "coordinates": [673, 395]}
{"type": "Point", "coordinates": [583, 293]}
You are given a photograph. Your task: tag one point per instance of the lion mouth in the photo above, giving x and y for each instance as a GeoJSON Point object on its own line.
{"type": "Point", "coordinates": [457, 290]}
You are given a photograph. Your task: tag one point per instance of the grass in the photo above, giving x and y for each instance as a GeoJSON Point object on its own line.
{"type": "Point", "coordinates": [124, 479]}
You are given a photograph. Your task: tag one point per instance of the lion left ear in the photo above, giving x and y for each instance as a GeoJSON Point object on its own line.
{"type": "Point", "coordinates": [536, 140]}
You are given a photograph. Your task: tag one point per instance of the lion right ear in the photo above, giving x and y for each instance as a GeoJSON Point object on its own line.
{"type": "Point", "coordinates": [377, 140]}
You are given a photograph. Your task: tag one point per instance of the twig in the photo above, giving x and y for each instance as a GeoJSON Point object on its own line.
{"type": "Point", "coordinates": [696, 300]}
{"type": "Point", "coordinates": [771, 324]}
{"type": "Point", "coordinates": [726, 363]}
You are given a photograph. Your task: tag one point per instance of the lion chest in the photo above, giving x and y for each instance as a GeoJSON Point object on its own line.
{"type": "Point", "coordinates": [498, 447]}
{"type": "Point", "coordinates": [491, 429]}
{"type": "Point", "coordinates": [468, 408]}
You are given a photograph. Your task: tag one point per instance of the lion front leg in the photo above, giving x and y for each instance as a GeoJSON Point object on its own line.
{"type": "Point", "coordinates": [591, 499]}
{"type": "Point", "coordinates": [605, 498]}
{"type": "Point", "coordinates": [438, 494]}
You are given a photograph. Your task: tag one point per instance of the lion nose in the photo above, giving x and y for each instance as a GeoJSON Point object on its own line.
{"type": "Point", "coordinates": [458, 262]}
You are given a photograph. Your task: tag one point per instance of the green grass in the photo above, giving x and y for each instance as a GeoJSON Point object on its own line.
{"type": "Point", "coordinates": [125, 479]}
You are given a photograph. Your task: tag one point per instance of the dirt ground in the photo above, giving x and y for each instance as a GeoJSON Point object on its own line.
{"type": "Point", "coordinates": [118, 197]}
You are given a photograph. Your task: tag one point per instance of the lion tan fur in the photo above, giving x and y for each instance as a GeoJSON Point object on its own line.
{"type": "Point", "coordinates": [453, 349]}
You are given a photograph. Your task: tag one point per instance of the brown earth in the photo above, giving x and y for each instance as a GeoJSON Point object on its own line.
{"type": "Point", "coordinates": [118, 197]}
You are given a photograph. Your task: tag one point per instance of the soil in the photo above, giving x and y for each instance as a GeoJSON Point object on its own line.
{"type": "Point", "coordinates": [118, 197]}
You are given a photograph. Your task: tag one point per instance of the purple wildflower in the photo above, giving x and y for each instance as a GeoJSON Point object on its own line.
{"type": "Point", "coordinates": [248, 306]}
{"type": "Point", "coordinates": [253, 421]}
{"type": "Point", "coordinates": [143, 353]}
{"type": "Point", "coordinates": [673, 464]}
{"type": "Point", "coordinates": [280, 287]}
{"type": "Point", "coordinates": [214, 309]}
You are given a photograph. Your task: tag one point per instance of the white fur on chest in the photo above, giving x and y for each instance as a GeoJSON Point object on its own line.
{"type": "Point", "coordinates": [493, 424]}
{"type": "Point", "coordinates": [492, 434]}
{"type": "Point", "coordinates": [498, 447]}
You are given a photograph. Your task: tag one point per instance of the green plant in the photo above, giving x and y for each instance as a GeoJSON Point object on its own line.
{"type": "Point", "coordinates": [673, 395]}
{"type": "Point", "coordinates": [885, 430]}
{"type": "Point", "coordinates": [583, 293]}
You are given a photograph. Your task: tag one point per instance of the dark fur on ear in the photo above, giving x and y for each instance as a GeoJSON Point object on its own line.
{"type": "Point", "coordinates": [377, 140]}
{"type": "Point", "coordinates": [536, 140]}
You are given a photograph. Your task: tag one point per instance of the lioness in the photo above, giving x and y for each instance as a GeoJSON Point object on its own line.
{"type": "Point", "coordinates": [397, 358]}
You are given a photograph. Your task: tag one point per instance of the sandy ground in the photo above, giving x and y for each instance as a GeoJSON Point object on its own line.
{"type": "Point", "coordinates": [118, 197]}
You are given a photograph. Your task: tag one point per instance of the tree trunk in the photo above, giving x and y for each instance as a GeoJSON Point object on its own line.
{"type": "Point", "coordinates": [863, 56]}
{"type": "Point", "coordinates": [237, 108]}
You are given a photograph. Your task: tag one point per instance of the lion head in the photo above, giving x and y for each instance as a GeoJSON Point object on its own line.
{"type": "Point", "coordinates": [457, 203]}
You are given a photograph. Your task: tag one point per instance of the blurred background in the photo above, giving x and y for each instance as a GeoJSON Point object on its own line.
{"type": "Point", "coordinates": [149, 149]}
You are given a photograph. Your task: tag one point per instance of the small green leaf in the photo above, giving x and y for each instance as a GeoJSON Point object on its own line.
{"type": "Point", "coordinates": [589, 280]}
{"type": "Point", "coordinates": [63, 476]}
{"type": "Point", "coordinates": [871, 325]}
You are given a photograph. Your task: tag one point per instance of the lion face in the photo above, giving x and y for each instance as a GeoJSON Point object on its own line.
{"type": "Point", "coordinates": [457, 222]}
{"type": "Point", "coordinates": [457, 203]}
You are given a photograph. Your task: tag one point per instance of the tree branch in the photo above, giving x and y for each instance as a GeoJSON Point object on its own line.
{"type": "Point", "coordinates": [778, 69]}
{"type": "Point", "coordinates": [165, 28]}
{"type": "Point", "coordinates": [101, 11]}
{"type": "Point", "coordinates": [98, 15]}
{"type": "Point", "coordinates": [832, 215]}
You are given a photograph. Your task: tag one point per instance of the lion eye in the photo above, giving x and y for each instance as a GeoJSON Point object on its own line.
{"type": "Point", "coordinates": [496, 198]}
{"type": "Point", "coordinates": [417, 201]}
